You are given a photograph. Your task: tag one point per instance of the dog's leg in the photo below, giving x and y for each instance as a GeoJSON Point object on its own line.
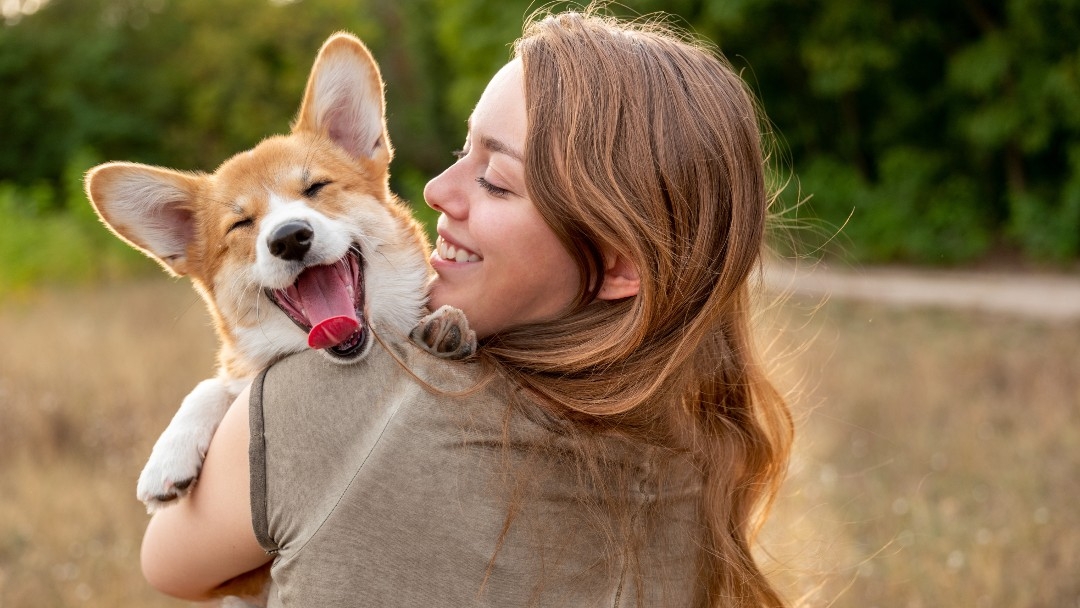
{"type": "Point", "coordinates": [178, 454]}
{"type": "Point", "coordinates": [445, 333]}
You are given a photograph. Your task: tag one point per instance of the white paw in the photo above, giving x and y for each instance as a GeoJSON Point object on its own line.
{"type": "Point", "coordinates": [172, 469]}
{"type": "Point", "coordinates": [178, 454]}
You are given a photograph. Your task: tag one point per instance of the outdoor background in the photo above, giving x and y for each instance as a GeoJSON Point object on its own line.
{"type": "Point", "coordinates": [939, 450]}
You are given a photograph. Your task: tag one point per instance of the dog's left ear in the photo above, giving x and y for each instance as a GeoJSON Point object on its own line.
{"type": "Point", "coordinates": [150, 208]}
{"type": "Point", "coordinates": [344, 99]}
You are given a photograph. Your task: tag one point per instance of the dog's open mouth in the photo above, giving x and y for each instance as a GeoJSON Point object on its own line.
{"type": "Point", "coordinates": [327, 302]}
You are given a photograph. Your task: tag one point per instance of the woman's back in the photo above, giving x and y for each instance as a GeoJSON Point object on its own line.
{"type": "Point", "coordinates": [377, 491]}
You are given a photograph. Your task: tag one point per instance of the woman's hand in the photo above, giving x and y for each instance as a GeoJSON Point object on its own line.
{"type": "Point", "coordinates": [205, 539]}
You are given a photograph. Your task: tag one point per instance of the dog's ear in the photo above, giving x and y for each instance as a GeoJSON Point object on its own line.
{"type": "Point", "coordinates": [148, 207]}
{"type": "Point", "coordinates": [344, 99]}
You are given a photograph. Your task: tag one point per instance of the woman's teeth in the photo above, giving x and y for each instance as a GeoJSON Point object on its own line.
{"type": "Point", "coordinates": [449, 252]}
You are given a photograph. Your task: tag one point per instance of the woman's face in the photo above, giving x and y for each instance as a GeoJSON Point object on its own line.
{"type": "Point", "coordinates": [495, 258]}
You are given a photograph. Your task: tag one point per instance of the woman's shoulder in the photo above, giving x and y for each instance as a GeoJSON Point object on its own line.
{"type": "Point", "coordinates": [398, 365]}
{"type": "Point", "coordinates": [310, 391]}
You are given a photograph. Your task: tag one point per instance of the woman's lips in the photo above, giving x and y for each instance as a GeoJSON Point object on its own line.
{"type": "Point", "coordinates": [454, 253]}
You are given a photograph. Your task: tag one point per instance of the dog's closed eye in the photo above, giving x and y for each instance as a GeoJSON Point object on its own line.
{"type": "Point", "coordinates": [312, 190]}
{"type": "Point", "coordinates": [244, 223]}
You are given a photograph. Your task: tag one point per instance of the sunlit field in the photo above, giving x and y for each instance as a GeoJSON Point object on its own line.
{"type": "Point", "coordinates": [937, 462]}
{"type": "Point", "coordinates": [88, 379]}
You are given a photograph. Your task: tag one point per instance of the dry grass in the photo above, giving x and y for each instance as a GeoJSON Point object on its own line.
{"type": "Point", "coordinates": [88, 379]}
{"type": "Point", "coordinates": [936, 463]}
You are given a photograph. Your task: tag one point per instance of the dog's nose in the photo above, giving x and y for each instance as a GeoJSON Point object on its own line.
{"type": "Point", "coordinates": [290, 241]}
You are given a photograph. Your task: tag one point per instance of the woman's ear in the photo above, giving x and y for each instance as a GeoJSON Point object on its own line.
{"type": "Point", "coordinates": [621, 279]}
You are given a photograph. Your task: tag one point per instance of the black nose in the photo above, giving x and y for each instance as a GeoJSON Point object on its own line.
{"type": "Point", "coordinates": [290, 241]}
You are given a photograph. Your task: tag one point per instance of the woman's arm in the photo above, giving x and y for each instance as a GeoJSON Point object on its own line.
{"type": "Point", "coordinates": [194, 546]}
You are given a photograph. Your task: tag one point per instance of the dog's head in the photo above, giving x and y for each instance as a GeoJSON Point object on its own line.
{"type": "Point", "coordinates": [287, 241]}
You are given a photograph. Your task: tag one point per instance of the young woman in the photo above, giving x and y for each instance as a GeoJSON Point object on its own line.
{"type": "Point", "coordinates": [617, 442]}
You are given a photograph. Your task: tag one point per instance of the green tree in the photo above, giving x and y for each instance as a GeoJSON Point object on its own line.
{"type": "Point", "coordinates": [940, 129]}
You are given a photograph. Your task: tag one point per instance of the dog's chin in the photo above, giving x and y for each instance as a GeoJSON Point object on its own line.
{"type": "Point", "coordinates": [352, 349]}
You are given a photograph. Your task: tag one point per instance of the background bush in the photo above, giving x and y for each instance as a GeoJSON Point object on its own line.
{"type": "Point", "coordinates": [933, 132]}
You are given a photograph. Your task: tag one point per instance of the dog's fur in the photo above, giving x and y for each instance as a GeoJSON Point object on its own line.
{"type": "Point", "coordinates": [225, 230]}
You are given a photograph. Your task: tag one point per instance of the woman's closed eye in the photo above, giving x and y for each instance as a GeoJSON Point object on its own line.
{"type": "Point", "coordinates": [492, 189]}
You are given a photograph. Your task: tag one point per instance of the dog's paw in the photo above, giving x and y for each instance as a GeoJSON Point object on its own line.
{"type": "Point", "coordinates": [171, 472]}
{"type": "Point", "coordinates": [178, 454]}
{"type": "Point", "coordinates": [445, 333]}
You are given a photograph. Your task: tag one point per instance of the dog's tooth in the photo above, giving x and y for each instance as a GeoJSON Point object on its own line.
{"type": "Point", "coordinates": [451, 252]}
{"type": "Point", "coordinates": [462, 256]}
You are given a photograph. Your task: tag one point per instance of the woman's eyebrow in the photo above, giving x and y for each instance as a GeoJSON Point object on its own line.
{"type": "Point", "coordinates": [495, 146]}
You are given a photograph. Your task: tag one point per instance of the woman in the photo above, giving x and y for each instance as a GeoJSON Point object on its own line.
{"type": "Point", "coordinates": [617, 442]}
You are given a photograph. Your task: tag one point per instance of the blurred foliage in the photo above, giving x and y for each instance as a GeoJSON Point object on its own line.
{"type": "Point", "coordinates": [50, 234]}
{"type": "Point", "coordinates": [934, 132]}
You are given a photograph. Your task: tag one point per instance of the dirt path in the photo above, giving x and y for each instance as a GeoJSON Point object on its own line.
{"type": "Point", "coordinates": [1053, 297]}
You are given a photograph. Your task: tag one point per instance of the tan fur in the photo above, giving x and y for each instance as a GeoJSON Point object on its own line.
{"type": "Point", "coordinates": [238, 189]}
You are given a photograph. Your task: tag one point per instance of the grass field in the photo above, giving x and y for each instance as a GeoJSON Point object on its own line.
{"type": "Point", "coordinates": [937, 463]}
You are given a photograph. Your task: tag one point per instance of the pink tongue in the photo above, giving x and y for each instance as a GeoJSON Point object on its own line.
{"type": "Point", "coordinates": [328, 303]}
{"type": "Point", "coordinates": [332, 331]}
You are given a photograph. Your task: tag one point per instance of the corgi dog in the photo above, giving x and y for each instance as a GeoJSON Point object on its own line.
{"type": "Point", "coordinates": [297, 243]}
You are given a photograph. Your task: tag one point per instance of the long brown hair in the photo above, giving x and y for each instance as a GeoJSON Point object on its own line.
{"type": "Point", "coordinates": [646, 143]}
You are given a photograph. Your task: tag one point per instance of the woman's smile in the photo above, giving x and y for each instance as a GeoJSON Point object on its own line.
{"type": "Point", "coordinates": [447, 251]}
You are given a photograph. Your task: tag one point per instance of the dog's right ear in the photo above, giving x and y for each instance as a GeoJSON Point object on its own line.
{"type": "Point", "coordinates": [148, 207]}
{"type": "Point", "coordinates": [344, 100]}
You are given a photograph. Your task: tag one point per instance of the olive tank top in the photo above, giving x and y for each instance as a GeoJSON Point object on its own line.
{"type": "Point", "coordinates": [370, 489]}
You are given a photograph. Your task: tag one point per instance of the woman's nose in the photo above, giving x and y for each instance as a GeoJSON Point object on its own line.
{"type": "Point", "coordinates": [444, 194]}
